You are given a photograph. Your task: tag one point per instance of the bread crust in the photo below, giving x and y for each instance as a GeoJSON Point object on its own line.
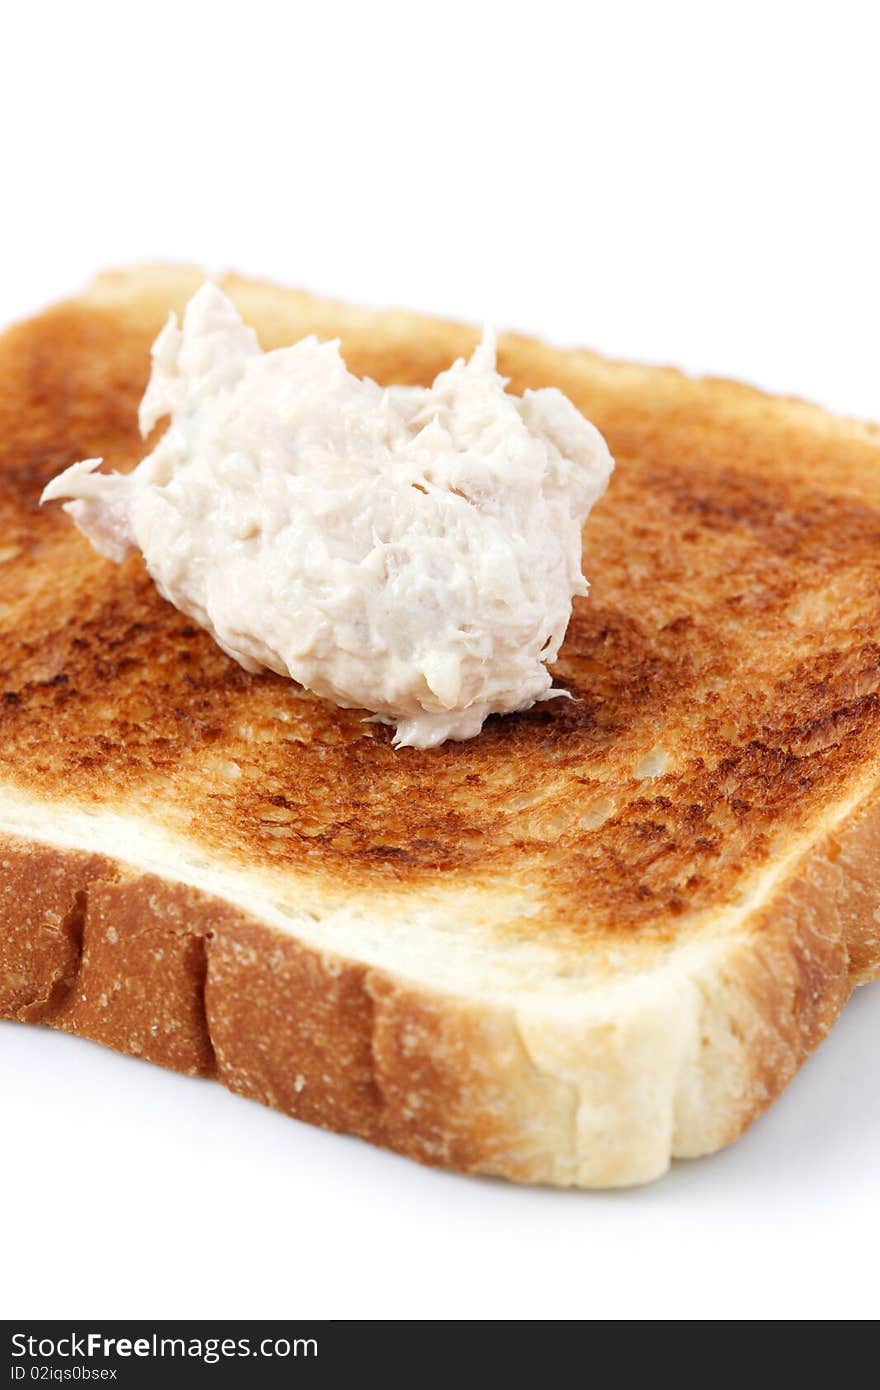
{"type": "Point", "coordinates": [161, 971]}
{"type": "Point", "coordinates": [164, 972]}
{"type": "Point", "coordinates": [741, 881]}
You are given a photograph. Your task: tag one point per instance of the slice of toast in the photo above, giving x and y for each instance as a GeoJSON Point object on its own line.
{"type": "Point", "coordinates": [602, 934]}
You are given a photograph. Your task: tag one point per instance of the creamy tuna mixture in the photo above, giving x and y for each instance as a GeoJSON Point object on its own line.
{"type": "Point", "coordinates": [412, 552]}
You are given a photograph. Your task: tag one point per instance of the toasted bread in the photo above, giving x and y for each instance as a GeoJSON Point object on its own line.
{"type": "Point", "coordinates": [602, 934]}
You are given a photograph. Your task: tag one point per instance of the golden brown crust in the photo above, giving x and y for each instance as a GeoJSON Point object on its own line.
{"type": "Point", "coordinates": [163, 972]}
{"type": "Point", "coordinates": [166, 973]}
{"type": "Point", "coordinates": [731, 630]}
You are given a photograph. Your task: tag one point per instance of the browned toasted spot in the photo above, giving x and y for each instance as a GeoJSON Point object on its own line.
{"type": "Point", "coordinates": [724, 671]}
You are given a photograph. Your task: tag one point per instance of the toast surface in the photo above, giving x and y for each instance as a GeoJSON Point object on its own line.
{"type": "Point", "coordinates": [681, 855]}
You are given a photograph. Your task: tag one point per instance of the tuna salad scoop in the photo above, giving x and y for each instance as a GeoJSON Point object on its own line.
{"type": "Point", "coordinates": [409, 551]}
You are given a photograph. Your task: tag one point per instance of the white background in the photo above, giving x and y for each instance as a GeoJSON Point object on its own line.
{"type": "Point", "coordinates": [689, 183]}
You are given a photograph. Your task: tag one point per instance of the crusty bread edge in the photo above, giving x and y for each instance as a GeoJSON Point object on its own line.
{"type": "Point", "coordinates": [161, 970]}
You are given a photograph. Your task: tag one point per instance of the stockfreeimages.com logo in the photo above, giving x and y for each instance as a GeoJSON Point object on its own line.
{"type": "Point", "coordinates": [94, 1346]}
